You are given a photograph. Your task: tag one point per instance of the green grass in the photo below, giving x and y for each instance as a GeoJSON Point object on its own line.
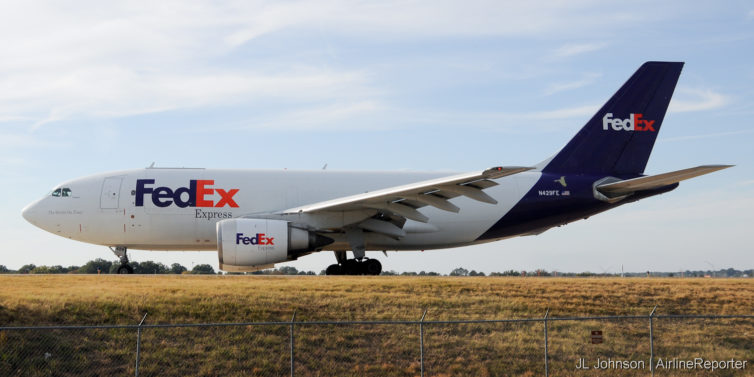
{"type": "Point", "coordinates": [489, 349]}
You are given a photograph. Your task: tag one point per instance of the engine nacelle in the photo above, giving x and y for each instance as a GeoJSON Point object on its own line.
{"type": "Point", "coordinates": [254, 244]}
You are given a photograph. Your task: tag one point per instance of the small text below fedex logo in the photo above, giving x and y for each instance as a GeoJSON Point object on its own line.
{"type": "Point", "coordinates": [634, 122]}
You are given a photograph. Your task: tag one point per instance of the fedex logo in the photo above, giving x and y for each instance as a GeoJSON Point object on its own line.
{"type": "Point", "coordinates": [633, 123]}
{"type": "Point", "coordinates": [198, 194]}
{"type": "Point", "coordinates": [258, 239]}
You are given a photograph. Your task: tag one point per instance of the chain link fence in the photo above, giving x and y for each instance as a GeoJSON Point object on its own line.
{"type": "Point", "coordinates": [664, 345]}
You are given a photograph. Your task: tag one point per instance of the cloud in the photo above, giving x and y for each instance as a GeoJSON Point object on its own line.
{"type": "Point", "coordinates": [115, 93]}
{"type": "Point", "coordinates": [503, 121]}
{"type": "Point", "coordinates": [7, 162]}
{"type": "Point", "coordinates": [725, 204]}
{"type": "Point", "coordinates": [424, 18]}
{"type": "Point", "coordinates": [564, 113]}
{"type": "Point", "coordinates": [15, 146]}
{"type": "Point", "coordinates": [746, 183]}
{"type": "Point", "coordinates": [93, 61]}
{"type": "Point", "coordinates": [570, 50]}
{"type": "Point", "coordinates": [120, 60]}
{"type": "Point", "coordinates": [323, 117]}
{"type": "Point", "coordinates": [586, 79]}
{"type": "Point", "coordinates": [691, 99]}
{"type": "Point", "coordinates": [13, 118]}
{"type": "Point", "coordinates": [709, 136]}
{"type": "Point", "coordinates": [20, 140]}
{"type": "Point", "coordinates": [509, 122]}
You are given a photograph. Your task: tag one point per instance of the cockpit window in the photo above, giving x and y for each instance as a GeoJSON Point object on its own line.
{"type": "Point", "coordinates": [63, 191]}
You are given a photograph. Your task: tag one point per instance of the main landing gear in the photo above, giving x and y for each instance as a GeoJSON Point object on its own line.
{"type": "Point", "coordinates": [120, 252]}
{"type": "Point", "coordinates": [356, 266]}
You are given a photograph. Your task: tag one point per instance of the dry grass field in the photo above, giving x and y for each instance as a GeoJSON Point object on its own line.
{"type": "Point", "coordinates": [115, 299]}
{"type": "Point", "coordinates": [385, 350]}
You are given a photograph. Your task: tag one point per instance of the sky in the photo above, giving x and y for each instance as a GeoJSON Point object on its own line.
{"type": "Point", "coordinates": [88, 87]}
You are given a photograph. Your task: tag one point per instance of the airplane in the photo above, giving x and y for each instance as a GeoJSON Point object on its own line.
{"type": "Point", "coordinates": [254, 219]}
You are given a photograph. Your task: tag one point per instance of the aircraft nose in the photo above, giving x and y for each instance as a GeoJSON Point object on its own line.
{"type": "Point", "coordinates": [30, 213]}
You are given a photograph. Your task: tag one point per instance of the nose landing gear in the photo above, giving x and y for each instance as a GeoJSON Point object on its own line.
{"type": "Point", "coordinates": [120, 252]}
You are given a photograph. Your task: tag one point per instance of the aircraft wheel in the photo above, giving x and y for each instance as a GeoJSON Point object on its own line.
{"type": "Point", "coordinates": [352, 267]}
{"type": "Point", "coordinates": [372, 267]}
{"type": "Point", "coordinates": [125, 269]}
{"type": "Point", "coordinates": [334, 269]}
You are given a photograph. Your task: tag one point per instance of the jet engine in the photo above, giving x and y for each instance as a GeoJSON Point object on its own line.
{"type": "Point", "coordinates": [254, 244]}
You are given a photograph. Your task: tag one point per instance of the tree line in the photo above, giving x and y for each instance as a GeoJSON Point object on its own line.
{"type": "Point", "coordinates": [102, 266]}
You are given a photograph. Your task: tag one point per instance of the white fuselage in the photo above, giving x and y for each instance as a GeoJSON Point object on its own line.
{"type": "Point", "coordinates": [104, 209]}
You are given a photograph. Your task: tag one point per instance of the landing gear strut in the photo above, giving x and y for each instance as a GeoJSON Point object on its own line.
{"type": "Point", "coordinates": [120, 252]}
{"type": "Point", "coordinates": [345, 266]}
{"type": "Point", "coordinates": [359, 265]}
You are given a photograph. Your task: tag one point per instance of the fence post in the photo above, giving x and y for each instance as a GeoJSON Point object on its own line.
{"type": "Point", "coordinates": [138, 344]}
{"type": "Point", "coordinates": [293, 360]}
{"type": "Point", "coordinates": [421, 342]}
{"type": "Point", "coordinates": [547, 365]}
{"type": "Point", "coordinates": [652, 342]}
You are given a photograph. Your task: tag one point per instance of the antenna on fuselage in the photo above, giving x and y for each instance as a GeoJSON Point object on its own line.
{"type": "Point", "coordinates": [151, 166]}
{"type": "Point", "coordinates": [324, 167]}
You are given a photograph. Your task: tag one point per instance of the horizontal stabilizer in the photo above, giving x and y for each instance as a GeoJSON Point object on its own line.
{"type": "Point", "coordinates": [656, 181]}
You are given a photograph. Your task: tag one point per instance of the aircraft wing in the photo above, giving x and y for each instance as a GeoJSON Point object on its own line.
{"type": "Point", "coordinates": [406, 199]}
{"type": "Point", "coordinates": [656, 181]}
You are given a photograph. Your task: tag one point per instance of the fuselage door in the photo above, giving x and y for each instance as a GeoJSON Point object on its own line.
{"type": "Point", "coordinates": [110, 192]}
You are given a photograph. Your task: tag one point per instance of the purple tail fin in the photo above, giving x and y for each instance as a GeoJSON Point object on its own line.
{"type": "Point", "coordinates": [619, 138]}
